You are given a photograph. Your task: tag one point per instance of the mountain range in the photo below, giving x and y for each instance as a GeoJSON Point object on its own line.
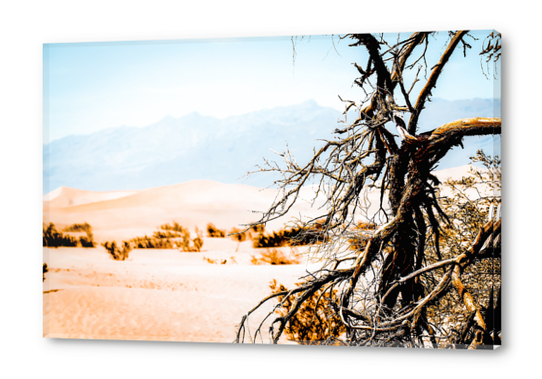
{"type": "Point", "coordinates": [196, 147]}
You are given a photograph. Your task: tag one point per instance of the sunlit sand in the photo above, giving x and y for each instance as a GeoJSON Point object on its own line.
{"type": "Point", "coordinates": [155, 294]}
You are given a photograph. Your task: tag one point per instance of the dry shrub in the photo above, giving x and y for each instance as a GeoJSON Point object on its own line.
{"type": "Point", "coordinates": [87, 241]}
{"type": "Point", "coordinates": [197, 242]}
{"type": "Point", "coordinates": [214, 232]}
{"type": "Point", "coordinates": [154, 242]}
{"type": "Point", "coordinates": [315, 321]}
{"type": "Point", "coordinates": [78, 228]}
{"type": "Point", "coordinates": [186, 244]}
{"type": "Point", "coordinates": [259, 228]}
{"type": "Point", "coordinates": [238, 235]}
{"type": "Point", "coordinates": [293, 236]}
{"type": "Point", "coordinates": [54, 238]}
{"type": "Point", "coordinates": [117, 253]}
{"type": "Point", "coordinates": [175, 227]}
{"type": "Point", "coordinates": [275, 257]}
{"type": "Point", "coordinates": [172, 236]}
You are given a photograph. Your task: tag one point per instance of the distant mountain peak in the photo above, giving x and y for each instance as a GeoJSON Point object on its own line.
{"type": "Point", "coordinates": [194, 146]}
{"type": "Point", "coordinates": [167, 118]}
{"type": "Point", "coordinates": [310, 103]}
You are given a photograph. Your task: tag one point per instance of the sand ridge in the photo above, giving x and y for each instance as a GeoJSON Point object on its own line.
{"type": "Point", "coordinates": [67, 197]}
{"type": "Point", "coordinates": [191, 204]}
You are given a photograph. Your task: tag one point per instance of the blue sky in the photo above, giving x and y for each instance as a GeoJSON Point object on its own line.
{"type": "Point", "coordinates": [93, 86]}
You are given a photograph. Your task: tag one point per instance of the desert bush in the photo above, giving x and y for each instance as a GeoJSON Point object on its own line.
{"type": "Point", "coordinates": [259, 228]}
{"type": "Point", "coordinates": [275, 257]}
{"type": "Point", "coordinates": [169, 237]}
{"type": "Point", "coordinates": [117, 253]}
{"type": "Point", "coordinates": [44, 270]}
{"type": "Point", "coordinates": [315, 322]}
{"type": "Point", "coordinates": [296, 236]}
{"type": "Point", "coordinates": [214, 232]}
{"type": "Point", "coordinates": [252, 233]}
{"type": "Point", "coordinates": [187, 245]}
{"type": "Point", "coordinates": [54, 238]}
{"type": "Point", "coordinates": [276, 239]}
{"type": "Point", "coordinates": [238, 235]}
{"type": "Point", "coordinates": [87, 241]}
{"type": "Point", "coordinates": [198, 241]}
{"type": "Point", "coordinates": [78, 228]}
{"type": "Point", "coordinates": [147, 242]}
{"type": "Point", "coordinates": [166, 235]}
{"type": "Point", "coordinates": [175, 227]}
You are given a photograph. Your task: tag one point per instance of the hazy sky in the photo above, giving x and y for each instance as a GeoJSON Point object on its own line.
{"type": "Point", "coordinates": [93, 86]}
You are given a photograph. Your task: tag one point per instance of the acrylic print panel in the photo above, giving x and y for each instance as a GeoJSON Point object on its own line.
{"type": "Point", "coordinates": [371, 216]}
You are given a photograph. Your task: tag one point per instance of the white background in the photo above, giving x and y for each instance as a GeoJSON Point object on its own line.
{"type": "Point", "coordinates": [25, 25]}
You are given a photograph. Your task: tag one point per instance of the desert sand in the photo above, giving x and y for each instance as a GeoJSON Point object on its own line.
{"type": "Point", "coordinates": [156, 294]}
{"type": "Point", "coordinates": [160, 294]}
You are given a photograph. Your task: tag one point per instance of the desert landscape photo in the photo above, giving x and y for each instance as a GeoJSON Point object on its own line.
{"type": "Point", "coordinates": [275, 197]}
{"type": "Point", "coordinates": [160, 293]}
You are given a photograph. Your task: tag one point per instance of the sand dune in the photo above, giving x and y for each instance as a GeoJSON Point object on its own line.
{"type": "Point", "coordinates": [192, 204]}
{"type": "Point", "coordinates": [66, 197]}
{"type": "Point", "coordinates": [128, 214]}
{"type": "Point", "coordinates": [190, 195]}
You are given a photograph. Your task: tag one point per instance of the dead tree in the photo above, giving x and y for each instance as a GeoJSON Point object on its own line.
{"type": "Point", "coordinates": [403, 282]}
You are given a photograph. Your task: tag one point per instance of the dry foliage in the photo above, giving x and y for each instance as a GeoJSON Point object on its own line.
{"type": "Point", "coordinates": [275, 257]}
{"type": "Point", "coordinates": [54, 238]}
{"type": "Point", "coordinates": [214, 232]}
{"type": "Point", "coordinates": [316, 321]}
{"type": "Point", "coordinates": [239, 235]}
{"type": "Point", "coordinates": [295, 236]}
{"type": "Point", "coordinates": [116, 252]}
{"type": "Point", "coordinates": [172, 236]}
